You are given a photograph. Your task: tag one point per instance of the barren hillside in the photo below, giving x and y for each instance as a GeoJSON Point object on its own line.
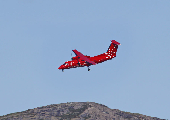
{"type": "Point", "coordinates": [75, 111]}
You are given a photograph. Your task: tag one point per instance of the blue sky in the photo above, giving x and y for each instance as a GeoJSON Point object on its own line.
{"type": "Point", "coordinates": [36, 37]}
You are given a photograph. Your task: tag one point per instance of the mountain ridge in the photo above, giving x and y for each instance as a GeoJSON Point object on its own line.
{"type": "Point", "coordinates": [75, 111]}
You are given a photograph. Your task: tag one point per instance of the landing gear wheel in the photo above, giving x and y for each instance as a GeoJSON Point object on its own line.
{"type": "Point", "coordinates": [62, 70]}
{"type": "Point", "coordinates": [88, 69]}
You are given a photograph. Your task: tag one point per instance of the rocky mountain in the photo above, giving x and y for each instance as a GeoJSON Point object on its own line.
{"type": "Point", "coordinates": [75, 111]}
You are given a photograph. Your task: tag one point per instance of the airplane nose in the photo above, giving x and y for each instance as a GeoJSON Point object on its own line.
{"type": "Point", "coordinates": [61, 67]}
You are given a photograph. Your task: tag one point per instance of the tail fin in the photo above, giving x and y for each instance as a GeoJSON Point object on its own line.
{"type": "Point", "coordinates": [113, 48]}
{"type": "Point", "coordinates": [115, 42]}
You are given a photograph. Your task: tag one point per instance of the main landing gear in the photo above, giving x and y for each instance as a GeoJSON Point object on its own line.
{"type": "Point", "coordinates": [88, 68]}
{"type": "Point", "coordinates": [62, 70]}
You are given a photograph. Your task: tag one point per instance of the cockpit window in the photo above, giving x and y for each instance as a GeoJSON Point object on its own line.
{"type": "Point", "coordinates": [65, 64]}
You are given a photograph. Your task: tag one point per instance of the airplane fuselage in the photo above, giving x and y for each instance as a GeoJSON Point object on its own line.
{"type": "Point", "coordinates": [81, 63]}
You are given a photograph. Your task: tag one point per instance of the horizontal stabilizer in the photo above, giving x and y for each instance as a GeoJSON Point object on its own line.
{"type": "Point", "coordinates": [115, 42]}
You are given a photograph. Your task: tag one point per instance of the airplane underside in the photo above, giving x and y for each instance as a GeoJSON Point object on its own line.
{"type": "Point", "coordinates": [78, 66]}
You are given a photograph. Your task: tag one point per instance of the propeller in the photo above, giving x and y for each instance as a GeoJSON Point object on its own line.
{"type": "Point", "coordinates": [71, 57]}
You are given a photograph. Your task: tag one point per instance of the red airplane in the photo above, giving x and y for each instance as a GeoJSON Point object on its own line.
{"type": "Point", "coordinates": [81, 60]}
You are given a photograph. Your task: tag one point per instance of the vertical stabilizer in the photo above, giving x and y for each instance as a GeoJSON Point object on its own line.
{"type": "Point", "coordinates": [113, 48]}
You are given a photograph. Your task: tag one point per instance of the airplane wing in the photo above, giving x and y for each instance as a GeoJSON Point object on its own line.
{"type": "Point", "coordinates": [82, 57]}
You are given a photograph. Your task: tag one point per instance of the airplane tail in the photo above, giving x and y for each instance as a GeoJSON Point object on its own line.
{"type": "Point", "coordinates": [113, 48]}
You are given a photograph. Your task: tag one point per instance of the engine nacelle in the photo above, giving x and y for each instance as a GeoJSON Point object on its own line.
{"type": "Point", "coordinates": [75, 58]}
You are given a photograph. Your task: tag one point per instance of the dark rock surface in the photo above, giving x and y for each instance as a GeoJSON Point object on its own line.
{"type": "Point", "coordinates": [75, 111]}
